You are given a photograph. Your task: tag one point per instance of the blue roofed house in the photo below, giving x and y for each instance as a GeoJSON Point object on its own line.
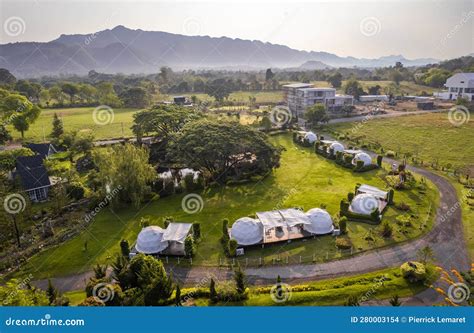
{"type": "Point", "coordinates": [33, 177]}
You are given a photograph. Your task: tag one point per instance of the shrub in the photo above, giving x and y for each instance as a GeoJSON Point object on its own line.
{"type": "Point", "coordinates": [379, 160]}
{"type": "Point", "coordinates": [375, 215]}
{"type": "Point", "coordinates": [124, 248]}
{"type": "Point", "coordinates": [386, 230]}
{"type": "Point", "coordinates": [390, 153]}
{"type": "Point", "coordinates": [91, 301]}
{"type": "Point", "coordinates": [343, 243]}
{"type": "Point", "coordinates": [343, 224]}
{"type": "Point", "coordinates": [189, 247]}
{"type": "Point", "coordinates": [75, 190]}
{"type": "Point", "coordinates": [413, 271]}
{"type": "Point", "coordinates": [225, 229]}
{"type": "Point", "coordinates": [197, 231]}
{"type": "Point", "coordinates": [390, 196]}
{"type": "Point", "coordinates": [350, 196]}
{"type": "Point", "coordinates": [344, 206]}
{"type": "Point", "coordinates": [403, 206]}
{"type": "Point", "coordinates": [232, 247]}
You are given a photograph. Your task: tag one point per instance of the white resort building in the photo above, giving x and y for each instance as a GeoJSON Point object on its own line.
{"type": "Point", "coordinates": [281, 225]}
{"type": "Point", "coordinates": [458, 85]}
{"type": "Point", "coordinates": [300, 96]}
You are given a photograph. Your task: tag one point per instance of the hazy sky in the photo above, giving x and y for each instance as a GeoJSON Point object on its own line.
{"type": "Point", "coordinates": [424, 28]}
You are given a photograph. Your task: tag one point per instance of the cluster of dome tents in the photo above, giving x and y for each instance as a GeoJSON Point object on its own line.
{"type": "Point", "coordinates": [281, 225]}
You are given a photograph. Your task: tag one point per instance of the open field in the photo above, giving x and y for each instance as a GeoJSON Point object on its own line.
{"type": "Point", "coordinates": [432, 139]}
{"type": "Point", "coordinates": [406, 87]}
{"type": "Point", "coordinates": [304, 180]}
{"type": "Point", "coordinates": [261, 97]}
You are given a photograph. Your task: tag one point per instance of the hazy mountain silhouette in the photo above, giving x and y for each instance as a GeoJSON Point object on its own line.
{"type": "Point", "coordinates": [123, 50]}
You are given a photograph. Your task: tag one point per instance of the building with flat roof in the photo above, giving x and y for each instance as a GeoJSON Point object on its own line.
{"type": "Point", "coordinates": [300, 96]}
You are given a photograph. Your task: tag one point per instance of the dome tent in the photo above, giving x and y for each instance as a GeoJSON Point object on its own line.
{"type": "Point", "coordinates": [247, 231]}
{"type": "Point", "coordinates": [364, 204]}
{"type": "Point", "coordinates": [311, 137]}
{"type": "Point", "coordinates": [150, 240]}
{"type": "Point", "coordinates": [362, 157]}
{"type": "Point", "coordinates": [336, 146]}
{"type": "Point", "coordinates": [321, 222]}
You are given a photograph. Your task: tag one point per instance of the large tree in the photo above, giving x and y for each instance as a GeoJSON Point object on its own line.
{"type": "Point", "coordinates": [19, 111]}
{"type": "Point", "coordinates": [161, 121]}
{"type": "Point", "coordinates": [223, 149]}
{"type": "Point", "coordinates": [70, 89]}
{"type": "Point", "coordinates": [125, 168]}
{"type": "Point", "coordinates": [316, 114]}
{"type": "Point", "coordinates": [354, 88]}
{"type": "Point", "coordinates": [335, 80]}
{"type": "Point", "coordinates": [6, 78]}
{"type": "Point", "coordinates": [135, 98]}
{"type": "Point", "coordinates": [219, 89]}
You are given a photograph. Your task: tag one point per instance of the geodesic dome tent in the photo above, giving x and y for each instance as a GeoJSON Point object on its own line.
{"type": "Point", "coordinates": [321, 222]}
{"type": "Point", "coordinates": [150, 240]}
{"type": "Point", "coordinates": [311, 137]}
{"type": "Point", "coordinates": [336, 146]}
{"type": "Point", "coordinates": [362, 157]}
{"type": "Point", "coordinates": [247, 231]}
{"type": "Point", "coordinates": [364, 204]}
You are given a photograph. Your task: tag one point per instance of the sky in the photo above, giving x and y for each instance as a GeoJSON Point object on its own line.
{"type": "Point", "coordinates": [440, 29]}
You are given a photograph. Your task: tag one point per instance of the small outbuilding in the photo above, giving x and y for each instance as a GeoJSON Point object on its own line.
{"type": "Point", "coordinates": [175, 235]}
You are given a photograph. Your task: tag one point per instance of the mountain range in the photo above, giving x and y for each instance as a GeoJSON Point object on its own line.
{"type": "Point", "coordinates": [123, 50]}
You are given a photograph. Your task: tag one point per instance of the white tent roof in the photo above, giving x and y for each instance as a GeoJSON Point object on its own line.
{"type": "Point", "coordinates": [311, 137]}
{"type": "Point", "coordinates": [283, 217]}
{"type": "Point", "coordinates": [352, 151]}
{"type": "Point", "coordinates": [247, 231]}
{"type": "Point", "coordinates": [376, 192]}
{"type": "Point", "coordinates": [177, 232]}
{"type": "Point", "coordinates": [150, 240]}
{"type": "Point", "coordinates": [364, 204]}
{"type": "Point", "coordinates": [336, 146]}
{"type": "Point", "coordinates": [186, 171]}
{"type": "Point", "coordinates": [321, 222]}
{"type": "Point", "coordinates": [362, 157]}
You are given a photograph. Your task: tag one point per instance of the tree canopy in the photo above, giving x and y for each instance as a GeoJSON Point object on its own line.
{"type": "Point", "coordinates": [223, 149]}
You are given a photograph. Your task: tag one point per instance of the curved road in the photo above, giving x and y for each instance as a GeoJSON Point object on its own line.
{"type": "Point", "coordinates": [445, 238]}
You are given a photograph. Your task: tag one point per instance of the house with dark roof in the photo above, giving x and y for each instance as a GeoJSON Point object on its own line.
{"type": "Point", "coordinates": [33, 177]}
{"type": "Point", "coordinates": [42, 149]}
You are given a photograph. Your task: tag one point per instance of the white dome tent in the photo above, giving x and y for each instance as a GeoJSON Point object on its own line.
{"type": "Point", "coordinates": [364, 204]}
{"type": "Point", "coordinates": [247, 231]}
{"type": "Point", "coordinates": [336, 146]}
{"type": "Point", "coordinates": [311, 137]}
{"type": "Point", "coordinates": [150, 240]}
{"type": "Point", "coordinates": [321, 222]}
{"type": "Point", "coordinates": [362, 157]}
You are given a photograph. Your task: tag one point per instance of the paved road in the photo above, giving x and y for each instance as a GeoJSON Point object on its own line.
{"type": "Point", "coordinates": [445, 238]}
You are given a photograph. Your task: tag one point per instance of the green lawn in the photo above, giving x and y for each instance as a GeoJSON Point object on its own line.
{"type": "Point", "coordinates": [304, 179]}
{"type": "Point", "coordinates": [329, 292]}
{"type": "Point", "coordinates": [406, 87]}
{"type": "Point", "coordinates": [429, 137]}
{"type": "Point", "coordinates": [261, 97]}
{"type": "Point", "coordinates": [80, 119]}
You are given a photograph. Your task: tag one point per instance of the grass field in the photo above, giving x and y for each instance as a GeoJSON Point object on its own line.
{"type": "Point", "coordinates": [304, 180]}
{"type": "Point", "coordinates": [432, 139]}
{"type": "Point", "coordinates": [366, 287]}
{"type": "Point", "coordinates": [406, 87]}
